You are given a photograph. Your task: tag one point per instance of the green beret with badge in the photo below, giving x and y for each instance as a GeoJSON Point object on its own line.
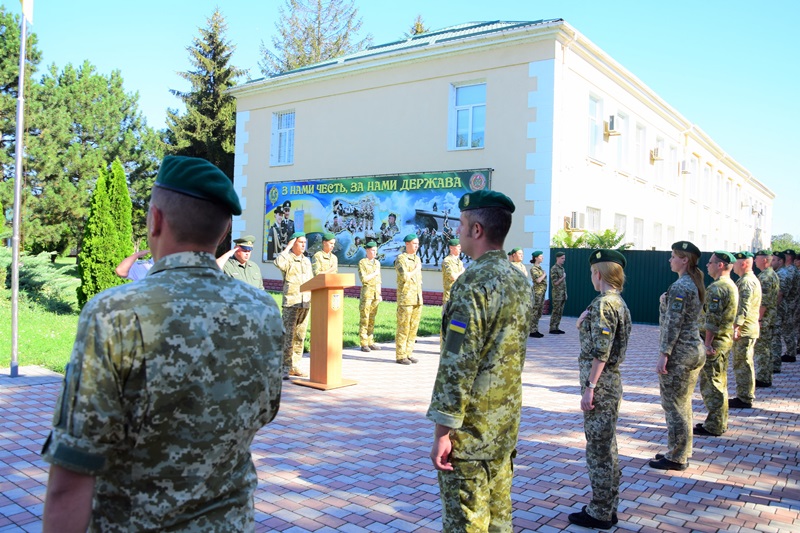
{"type": "Point", "coordinates": [536, 254]}
{"type": "Point", "coordinates": [297, 235]}
{"type": "Point", "coordinates": [453, 242]}
{"type": "Point", "coordinates": [688, 247]}
{"type": "Point", "coordinates": [743, 255]}
{"type": "Point", "coordinates": [725, 257]}
{"type": "Point", "coordinates": [764, 252]}
{"type": "Point", "coordinates": [200, 179]}
{"type": "Point", "coordinates": [371, 244]}
{"type": "Point", "coordinates": [607, 256]}
{"type": "Point", "coordinates": [410, 237]}
{"type": "Point", "coordinates": [485, 198]}
{"type": "Point", "coordinates": [328, 236]}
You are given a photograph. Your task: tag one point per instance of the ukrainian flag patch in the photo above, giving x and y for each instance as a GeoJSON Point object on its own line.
{"type": "Point", "coordinates": [458, 326]}
{"type": "Point", "coordinates": [606, 331]}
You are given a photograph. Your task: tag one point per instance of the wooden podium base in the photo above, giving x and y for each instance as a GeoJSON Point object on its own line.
{"type": "Point", "coordinates": [324, 386]}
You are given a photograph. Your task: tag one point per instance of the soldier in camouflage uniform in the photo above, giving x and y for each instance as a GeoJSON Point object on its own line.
{"type": "Point", "coordinates": [539, 280]}
{"type": "Point", "coordinates": [603, 329]}
{"type": "Point", "coordinates": [558, 293]}
{"type": "Point", "coordinates": [722, 300]}
{"type": "Point", "coordinates": [781, 328]}
{"type": "Point", "coordinates": [477, 397]}
{"type": "Point", "coordinates": [237, 264]}
{"type": "Point", "coordinates": [325, 261]}
{"type": "Point", "coordinates": [792, 306]}
{"type": "Point", "coordinates": [369, 272]}
{"type": "Point", "coordinates": [745, 331]}
{"type": "Point", "coordinates": [452, 267]}
{"type": "Point", "coordinates": [296, 270]}
{"type": "Point", "coordinates": [409, 300]}
{"type": "Point", "coordinates": [169, 380]}
{"type": "Point", "coordinates": [515, 256]}
{"type": "Point", "coordinates": [770, 285]}
{"type": "Point", "coordinates": [681, 354]}
{"type": "Point", "coordinates": [797, 309]}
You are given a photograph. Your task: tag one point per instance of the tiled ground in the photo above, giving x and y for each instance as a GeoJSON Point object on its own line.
{"type": "Point", "coordinates": [356, 458]}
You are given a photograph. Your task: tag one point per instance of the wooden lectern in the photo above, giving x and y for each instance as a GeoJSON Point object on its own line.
{"type": "Point", "coordinates": [327, 313]}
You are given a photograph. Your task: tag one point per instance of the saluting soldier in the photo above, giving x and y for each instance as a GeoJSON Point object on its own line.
{"type": "Point", "coordinates": [681, 353]}
{"type": "Point", "coordinates": [745, 331]}
{"type": "Point", "coordinates": [296, 270]}
{"type": "Point", "coordinates": [477, 397]}
{"type": "Point", "coordinates": [539, 280]}
{"type": "Point", "coordinates": [369, 272]}
{"type": "Point", "coordinates": [452, 267]}
{"type": "Point", "coordinates": [558, 293]}
{"type": "Point", "coordinates": [409, 299]}
{"type": "Point", "coordinates": [603, 329]}
{"type": "Point", "coordinates": [770, 285]}
{"type": "Point", "coordinates": [721, 302]}
{"type": "Point", "coordinates": [237, 264]}
{"type": "Point", "coordinates": [325, 261]}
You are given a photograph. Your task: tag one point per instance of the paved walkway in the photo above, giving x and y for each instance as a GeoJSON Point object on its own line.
{"type": "Point", "coordinates": [356, 459]}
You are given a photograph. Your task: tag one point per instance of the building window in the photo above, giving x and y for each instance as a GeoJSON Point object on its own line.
{"type": "Point", "coordinates": [620, 223]}
{"type": "Point", "coordinates": [595, 126]}
{"type": "Point", "coordinates": [707, 185]}
{"type": "Point", "coordinates": [467, 117]}
{"type": "Point", "coordinates": [640, 151]}
{"type": "Point", "coordinates": [670, 234]}
{"type": "Point", "coordinates": [657, 236]}
{"type": "Point", "coordinates": [660, 164]}
{"type": "Point", "coordinates": [694, 178]}
{"type": "Point", "coordinates": [282, 150]}
{"type": "Point", "coordinates": [718, 203]}
{"type": "Point", "coordinates": [638, 233]}
{"type": "Point", "coordinates": [623, 141]}
{"type": "Point", "coordinates": [673, 169]}
{"type": "Point", "coordinates": [592, 219]}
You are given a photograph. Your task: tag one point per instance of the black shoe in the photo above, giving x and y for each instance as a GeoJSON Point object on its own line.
{"type": "Point", "coordinates": [762, 384]}
{"type": "Point", "coordinates": [776, 370]}
{"type": "Point", "coordinates": [413, 359]}
{"type": "Point", "coordinates": [584, 519]}
{"type": "Point", "coordinates": [536, 335]}
{"type": "Point", "coordinates": [666, 464]}
{"type": "Point", "coordinates": [403, 362]}
{"type": "Point", "coordinates": [554, 332]}
{"type": "Point", "coordinates": [700, 430]}
{"type": "Point", "coordinates": [788, 358]}
{"type": "Point", "coordinates": [736, 403]}
{"type": "Point", "coordinates": [365, 349]}
{"type": "Point", "coordinates": [659, 456]}
{"type": "Point", "coordinates": [558, 331]}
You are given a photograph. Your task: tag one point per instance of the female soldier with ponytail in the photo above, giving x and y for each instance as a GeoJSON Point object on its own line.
{"type": "Point", "coordinates": [681, 353]}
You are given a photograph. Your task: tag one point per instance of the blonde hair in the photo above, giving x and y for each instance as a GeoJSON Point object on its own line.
{"type": "Point", "coordinates": [611, 273]}
{"type": "Point", "coordinates": [693, 271]}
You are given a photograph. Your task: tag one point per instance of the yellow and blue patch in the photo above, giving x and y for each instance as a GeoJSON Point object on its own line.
{"type": "Point", "coordinates": [606, 331]}
{"type": "Point", "coordinates": [458, 326]}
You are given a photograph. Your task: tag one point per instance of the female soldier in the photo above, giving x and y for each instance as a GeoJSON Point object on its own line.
{"type": "Point", "coordinates": [681, 353]}
{"type": "Point", "coordinates": [603, 330]}
{"type": "Point", "coordinates": [539, 280]}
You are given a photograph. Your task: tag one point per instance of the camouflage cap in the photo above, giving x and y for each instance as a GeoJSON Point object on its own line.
{"type": "Point", "coordinates": [246, 242]}
{"type": "Point", "coordinates": [763, 252]}
{"type": "Point", "coordinates": [410, 237]}
{"type": "Point", "coordinates": [453, 242]}
{"type": "Point", "coordinates": [198, 178]}
{"type": "Point", "coordinates": [536, 254]}
{"type": "Point", "coordinates": [297, 235]}
{"type": "Point", "coordinates": [686, 246]}
{"type": "Point", "coordinates": [485, 198]}
{"type": "Point", "coordinates": [725, 257]}
{"type": "Point", "coordinates": [607, 256]}
{"type": "Point", "coordinates": [328, 236]}
{"type": "Point", "coordinates": [371, 244]}
{"type": "Point", "coordinates": [743, 255]}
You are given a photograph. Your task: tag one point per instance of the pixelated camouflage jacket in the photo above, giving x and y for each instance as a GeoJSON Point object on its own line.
{"type": "Point", "coordinates": [369, 289]}
{"type": "Point", "coordinates": [722, 300]}
{"type": "Point", "coordinates": [409, 288]}
{"type": "Point", "coordinates": [770, 285]}
{"type": "Point", "coordinates": [539, 287]}
{"type": "Point", "coordinates": [678, 319]}
{"type": "Point", "coordinates": [296, 270]}
{"type": "Point", "coordinates": [322, 262]}
{"type": "Point", "coordinates": [557, 292]}
{"type": "Point", "coordinates": [605, 331]}
{"type": "Point", "coordinates": [451, 267]}
{"type": "Point", "coordinates": [749, 305]}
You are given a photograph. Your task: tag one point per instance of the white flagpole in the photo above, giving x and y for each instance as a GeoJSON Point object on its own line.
{"type": "Point", "coordinates": [17, 204]}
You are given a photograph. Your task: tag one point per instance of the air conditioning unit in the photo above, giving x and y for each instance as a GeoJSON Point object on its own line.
{"type": "Point", "coordinates": [610, 126]}
{"type": "Point", "coordinates": [655, 155]}
{"type": "Point", "coordinates": [577, 220]}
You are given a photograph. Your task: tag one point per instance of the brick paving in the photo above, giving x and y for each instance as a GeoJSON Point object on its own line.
{"type": "Point", "coordinates": [356, 459]}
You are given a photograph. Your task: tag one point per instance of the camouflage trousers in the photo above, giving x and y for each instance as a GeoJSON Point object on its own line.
{"type": "Point", "coordinates": [295, 324]}
{"type": "Point", "coordinates": [762, 355]}
{"type": "Point", "coordinates": [476, 496]}
{"type": "Point", "coordinates": [777, 344]}
{"type": "Point", "coordinates": [602, 459]}
{"type": "Point", "coordinates": [367, 310]}
{"type": "Point", "coordinates": [538, 304]}
{"type": "Point", "coordinates": [743, 369]}
{"type": "Point", "coordinates": [789, 333]}
{"type": "Point", "coordinates": [714, 389]}
{"type": "Point", "coordinates": [556, 310]}
{"type": "Point", "coordinates": [676, 388]}
{"type": "Point", "coordinates": [407, 323]}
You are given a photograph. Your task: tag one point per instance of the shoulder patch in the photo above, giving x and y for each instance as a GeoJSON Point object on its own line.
{"type": "Point", "coordinates": [456, 329]}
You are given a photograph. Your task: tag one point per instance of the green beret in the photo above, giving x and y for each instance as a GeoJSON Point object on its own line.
{"type": "Point", "coordinates": [607, 256]}
{"type": "Point", "coordinates": [686, 246]}
{"type": "Point", "coordinates": [536, 254]}
{"type": "Point", "coordinates": [328, 236]}
{"type": "Point", "coordinates": [559, 254]}
{"type": "Point", "coordinates": [247, 240]}
{"type": "Point", "coordinates": [453, 242]}
{"type": "Point", "coordinates": [198, 178]}
{"type": "Point", "coordinates": [789, 252]}
{"type": "Point", "coordinates": [743, 255]}
{"type": "Point", "coordinates": [780, 255]}
{"type": "Point", "coordinates": [763, 252]}
{"type": "Point", "coordinates": [297, 235]}
{"type": "Point", "coordinates": [485, 198]}
{"type": "Point", "coordinates": [371, 244]}
{"type": "Point", "coordinates": [410, 237]}
{"type": "Point", "coordinates": [726, 257]}
{"type": "Point", "coordinates": [514, 250]}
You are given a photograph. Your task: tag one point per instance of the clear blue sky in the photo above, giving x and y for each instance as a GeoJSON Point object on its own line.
{"type": "Point", "coordinates": [731, 67]}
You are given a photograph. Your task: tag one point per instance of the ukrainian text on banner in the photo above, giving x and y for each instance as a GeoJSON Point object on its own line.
{"type": "Point", "coordinates": [357, 210]}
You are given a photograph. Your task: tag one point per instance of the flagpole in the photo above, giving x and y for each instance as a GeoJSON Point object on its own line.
{"type": "Point", "coordinates": [17, 202]}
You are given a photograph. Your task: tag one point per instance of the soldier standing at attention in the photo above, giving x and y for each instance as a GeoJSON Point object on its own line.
{"type": "Point", "coordinates": [409, 299]}
{"type": "Point", "coordinates": [515, 256]}
{"type": "Point", "coordinates": [603, 328]}
{"type": "Point", "coordinates": [558, 293]}
{"type": "Point", "coordinates": [477, 397]}
{"type": "Point", "coordinates": [236, 262]}
{"type": "Point", "coordinates": [325, 261]}
{"type": "Point", "coordinates": [681, 353]}
{"type": "Point", "coordinates": [791, 309]}
{"type": "Point", "coordinates": [745, 331]}
{"type": "Point", "coordinates": [153, 427]}
{"type": "Point", "coordinates": [296, 270]}
{"type": "Point", "coordinates": [369, 272]}
{"type": "Point", "coordinates": [770, 285]}
{"type": "Point", "coordinates": [539, 280]}
{"type": "Point", "coordinates": [721, 302]}
{"type": "Point", "coordinates": [452, 267]}
{"type": "Point", "coordinates": [782, 330]}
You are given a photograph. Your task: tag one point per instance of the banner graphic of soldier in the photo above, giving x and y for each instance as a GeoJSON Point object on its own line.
{"type": "Point", "coordinates": [361, 209]}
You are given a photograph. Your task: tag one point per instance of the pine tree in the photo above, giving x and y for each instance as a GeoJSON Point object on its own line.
{"type": "Point", "coordinates": [208, 128]}
{"type": "Point", "coordinates": [97, 258]}
{"type": "Point", "coordinates": [311, 31]}
{"type": "Point", "coordinates": [121, 209]}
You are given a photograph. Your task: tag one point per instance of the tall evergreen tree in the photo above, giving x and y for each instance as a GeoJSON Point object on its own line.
{"type": "Point", "coordinates": [121, 208]}
{"type": "Point", "coordinates": [208, 127]}
{"type": "Point", "coordinates": [98, 258]}
{"type": "Point", "coordinates": [310, 31]}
